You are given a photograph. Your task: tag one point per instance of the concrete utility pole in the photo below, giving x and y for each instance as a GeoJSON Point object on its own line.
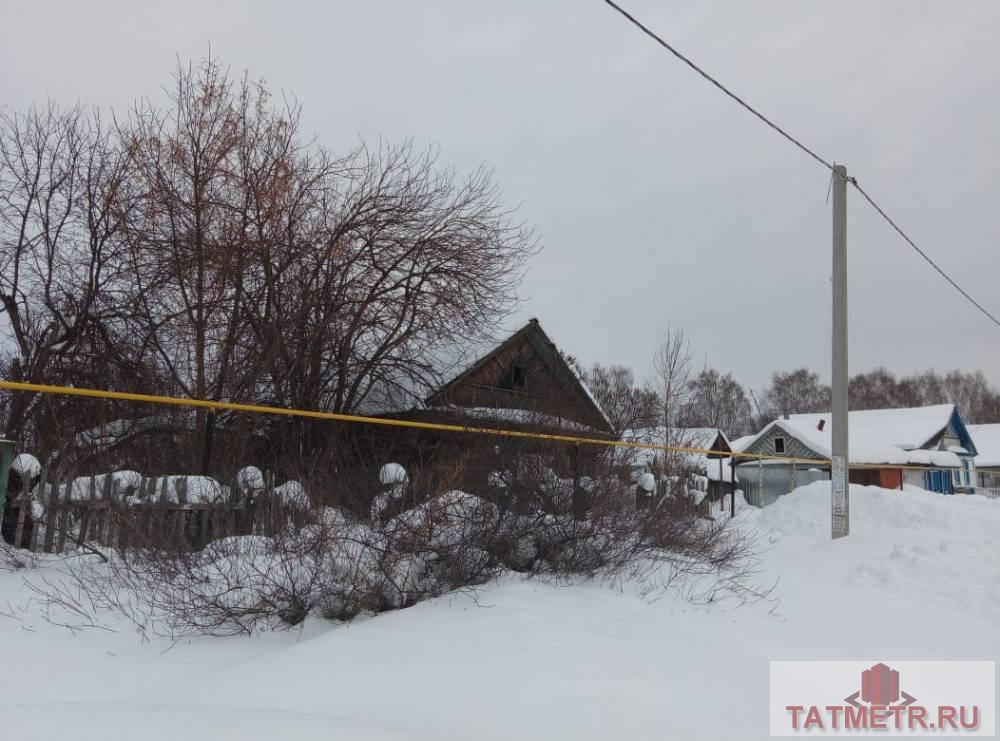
{"type": "Point", "coordinates": [840, 499]}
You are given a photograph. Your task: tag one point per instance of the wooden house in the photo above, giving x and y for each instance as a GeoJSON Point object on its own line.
{"type": "Point", "coordinates": [524, 382]}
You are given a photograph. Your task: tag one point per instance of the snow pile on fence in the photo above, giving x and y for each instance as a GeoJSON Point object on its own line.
{"type": "Point", "coordinates": [394, 478]}
{"type": "Point", "coordinates": [25, 464]}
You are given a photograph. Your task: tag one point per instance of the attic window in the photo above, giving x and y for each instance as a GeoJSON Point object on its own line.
{"type": "Point", "coordinates": [779, 445]}
{"type": "Point", "coordinates": [518, 376]}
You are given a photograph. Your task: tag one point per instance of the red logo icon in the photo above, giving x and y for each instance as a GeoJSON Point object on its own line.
{"type": "Point", "coordinates": [880, 688]}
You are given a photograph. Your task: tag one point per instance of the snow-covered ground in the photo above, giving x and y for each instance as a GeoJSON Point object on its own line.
{"type": "Point", "coordinates": [529, 660]}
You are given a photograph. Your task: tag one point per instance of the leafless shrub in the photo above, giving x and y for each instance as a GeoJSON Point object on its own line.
{"type": "Point", "coordinates": [15, 559]}
{"type": "Point", "coordinates": [399, 539]}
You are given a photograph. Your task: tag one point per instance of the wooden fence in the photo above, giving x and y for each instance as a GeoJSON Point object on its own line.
{"type": "Point", "coordinates": [62, 512]}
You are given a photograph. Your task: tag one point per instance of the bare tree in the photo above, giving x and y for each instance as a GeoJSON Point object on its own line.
{"type": "Point", "coordinates": [408, 261]}
{"type": "Point", "coordinates": [716, 400]}
{"type": "Point", "coordinates": [671, 365]}
{"type": "Point", "coordinates": [267, 270]}
{"type": "Point", "coordinates": [969, 391]}
{"type": "Point", "coordinates": [627, 405]}
{"type": "Point", "coordinates": [62, 202]}
{"type": "Point", "coordinates": [191, 241]}
{"type": "Point", "coordinates": [795, 392]}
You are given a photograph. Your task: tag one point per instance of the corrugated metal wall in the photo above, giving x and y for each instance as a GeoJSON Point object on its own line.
{"type": "Point", "coordinates": [776, 479]}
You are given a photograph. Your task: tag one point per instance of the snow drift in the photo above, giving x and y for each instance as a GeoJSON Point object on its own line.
{"type": "Point", "coordinates": [578, 661]}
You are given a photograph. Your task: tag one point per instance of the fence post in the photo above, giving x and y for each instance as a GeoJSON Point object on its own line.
{"type": "Point", "coordinates": [126, 518]}
{"type": "Point", "coordinates": [760, 481]}
{"type": "Point", "coordinates": [204, 523]}
{"type": "Point", "coordinates": [51, 513]}
{"type": "Point", "coordinates": [33, 539]}
{"type": "Point", "coordinates": [108, 526]}
{"type": "Point", "coordinates": [64, 514]}
{"type": "Point", "coordinates": [148, 487]}
{"type": "Point", "coordinates": [24, 504]}
{"type": "Point", "coordinates": [6, 457]}
{"type": "Point", "coordinates": [732, 486]}
{"type": "Point", "coordinates": [88, 511]}
{"type": "Point", "coordinates": [160, 515]}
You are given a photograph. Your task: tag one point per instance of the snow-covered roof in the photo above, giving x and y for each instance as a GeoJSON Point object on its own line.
{"type": "Point", "coordinates": [682, 437]}
{"type": "Point", "coordinates": [987, 440]}
{"type": "Point", "coordinates": [701, 438]}
{"type": "Point", "coordinates": [740, 443]}
{"type": "Point", "coordinates": [892, 436]}
{"type": "Point", "coordinates": [518, 416]}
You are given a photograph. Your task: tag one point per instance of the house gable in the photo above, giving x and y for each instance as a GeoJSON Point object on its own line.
{"type": "Point", "coordinates": [525, 373]}
{"type": "Point", "coordinates": [954, 434]}
{"type": "Point", "coordinates": [710, 439]}
{"type": "Point", "coordinates": [765, 444]}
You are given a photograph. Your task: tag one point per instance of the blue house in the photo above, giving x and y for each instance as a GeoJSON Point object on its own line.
{"type": "Point", "coordinates": [927, 447]}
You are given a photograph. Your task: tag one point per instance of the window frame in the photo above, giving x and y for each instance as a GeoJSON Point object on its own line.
{"type": "Point", "coordinates": [518, 376]}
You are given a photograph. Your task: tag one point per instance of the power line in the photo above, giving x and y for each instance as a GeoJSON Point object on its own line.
{"type": "Point", "coordinates": [923, 254]}
{"type": "Point", "coordinates": [719, 85]}
{"type": "Point", "coordinates": [636, 22]}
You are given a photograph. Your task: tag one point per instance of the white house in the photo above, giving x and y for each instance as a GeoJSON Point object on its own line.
{"type": "Point", "coordinates": [987, 439]}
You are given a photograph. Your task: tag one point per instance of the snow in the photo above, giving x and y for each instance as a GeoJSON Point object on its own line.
{"type": "Point", "coordinates": [190, 489]}
{"type": "Point", "coordinates": [692, 438]}
{"type": "Point", "coordinates": [250, 478]}
{"type": "Point", "coordinates": [530, 660]}
{"type": "Point", "coordinates": [392, 473]}
{"type": "Point", "coordinates": [987, 440]}
{"type": "Point", "coordinates": [891, 436]}
{"type": "Point", "coordinates": [518, 416]}
{"type": "Point", "coordinates": [393, 476]}
{"type": "Point", "coordinates": [719, 469]}
{"type": "Point", "coordinates": [110, 432]}
{"type": "Point", "coordinates": [447, 520]}
{"type": "Point", "coordinates": [117, 430]}
{"type": "Point", "coordinates": [122, 482]}
{"type": "Point", "coordinates": [26, 463]}
{"type": "Point", "coordinates": [292, 494]}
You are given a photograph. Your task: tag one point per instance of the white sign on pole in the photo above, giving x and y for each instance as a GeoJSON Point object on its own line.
{"type": "Point", "coordinates": [839, 499]}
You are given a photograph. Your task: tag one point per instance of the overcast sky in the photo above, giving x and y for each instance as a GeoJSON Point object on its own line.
{"type": "Point", "coordinates": [657, 199]}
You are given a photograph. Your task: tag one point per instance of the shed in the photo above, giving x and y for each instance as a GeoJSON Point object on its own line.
{"type": "Point", "coordinates": [715, 464]}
